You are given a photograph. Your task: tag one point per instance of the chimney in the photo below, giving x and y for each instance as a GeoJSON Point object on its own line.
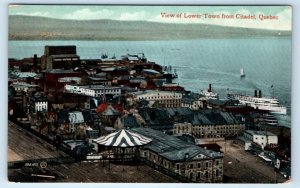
{"type": "Point", "coordinates": [255, 93]}
{"type": "Point", "coordinates": [259, 94]}
{"type": "Point", "coordinates": [186, 156]}
{"type": "Point", "coordinates": [209, 88]}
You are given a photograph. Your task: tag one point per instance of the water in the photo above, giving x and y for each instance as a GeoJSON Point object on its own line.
{"type": "Point", "coordinates": [266, 61]}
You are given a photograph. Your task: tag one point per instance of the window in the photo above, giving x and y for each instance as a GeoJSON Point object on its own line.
{"type": "Point", "coordinates": [199, 175]}
{"type": "Point", "coordinates": [191, 166]}
{"type": "Point", "coordinates": [206, 174]}
{"type": "Point", "coordinates": [191, 175]}
{"type": "Point", "coordinates": [199, 165]}
{"type": "Point", "coordinates": [217, 162]}
{"type": "Point", "coordinates": [177, 166]}
{"type": "Point", "coordinates": [206, 164]}
{"type": "Point", "coordinates": [217, 172]}
{"type": "Point", "coordinates": [145, 154]}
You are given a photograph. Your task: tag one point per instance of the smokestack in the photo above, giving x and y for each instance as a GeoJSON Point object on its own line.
{"type": "Point", "coordinates": [255, 93]}
{"type": "Point", "coordinates": [259, 94]}
{"type": "Point", "coordinates": [169, 78]}
{"type": "Point", "coordinates": [34, 61]}
{"type": "Point", "coordinates": [209, 88]}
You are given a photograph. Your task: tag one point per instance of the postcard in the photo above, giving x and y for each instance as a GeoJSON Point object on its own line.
{"type": "Point", "coordinates": [149, 94]}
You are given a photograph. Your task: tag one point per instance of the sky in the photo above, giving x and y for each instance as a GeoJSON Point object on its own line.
{"type": "Point", "coordinates": [282, 14]}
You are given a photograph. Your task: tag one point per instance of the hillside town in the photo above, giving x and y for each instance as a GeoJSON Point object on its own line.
{"type": "Point", "coordinates": [116, 113]}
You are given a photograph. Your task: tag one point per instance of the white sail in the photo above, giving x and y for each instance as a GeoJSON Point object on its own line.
{"type": "Point", "coordinates": [242, 72]}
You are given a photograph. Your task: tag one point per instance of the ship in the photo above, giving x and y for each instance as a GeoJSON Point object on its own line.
{"type": "Point", "coordinates": [242, 73]}
{"type": "Point", "coordinates": [260, 103]}
{"type": "Point", "coordinates": [169, 72]}
{"type": "Point", "coordinates": [209, 94]}
{"type": "Point", "coordinates": [270, 119]}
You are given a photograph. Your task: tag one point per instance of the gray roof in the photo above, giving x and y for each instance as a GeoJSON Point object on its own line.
{"type": "Point", "coordinates": [64, 55]}
{"type": "Point", "coordinates": [212, 117]}
{"type": "Point", "coordinates": [173, 148]}
{"type": "Point", "coordinates": [190, 98]}
{"type": "Point", "coordinates": [60, 71]}
{"type": "Point", "coordinates": [183, 111]}
{"type": "Point", "coordinates": [266, 133]}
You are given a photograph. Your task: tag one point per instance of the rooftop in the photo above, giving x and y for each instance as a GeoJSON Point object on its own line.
{"type": "Point", "coordinates": [266, 133]}
{"type": "Point", "coordinates": [173, 148]}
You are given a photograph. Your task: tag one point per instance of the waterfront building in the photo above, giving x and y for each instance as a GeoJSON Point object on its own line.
{"type": "Point", "coordinates": [58, 57]}
{"type": "Point", "coordinates": [211, 124]}
{"type": "Point", "coordinates": [182, 158]}
{"type": "Point", "coordinates": [261, 138]}
{"type": "Point", "coordinates": [165, 99]}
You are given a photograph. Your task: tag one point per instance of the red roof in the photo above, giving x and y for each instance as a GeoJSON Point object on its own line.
{"type": "Point", "coordinates": [102, 107]}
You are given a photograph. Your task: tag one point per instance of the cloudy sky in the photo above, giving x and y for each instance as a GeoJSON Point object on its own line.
{"type": "Point", "coordinates": [154, 13]}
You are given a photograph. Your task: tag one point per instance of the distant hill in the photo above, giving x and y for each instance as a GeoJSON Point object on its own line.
{"type": "Point", "coordinates": [41, 28]}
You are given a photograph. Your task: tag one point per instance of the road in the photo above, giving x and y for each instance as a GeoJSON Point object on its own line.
{"type": "Point", "coordinates": [24, 146]}
{"type": "Point", "coordinates": [241, 166]}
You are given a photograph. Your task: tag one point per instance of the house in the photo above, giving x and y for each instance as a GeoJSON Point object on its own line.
{"type": "Point", "coordinates": [193, 101]}
{"type": "Point", "coordinates": [38, 103]}
{"type": "Point", "coordinates": [261, 138]}
{"type": "Point", "coordinates": [182, 158]}
{"type": "Point", "coordinates": [127, 121]}
{"type": "Point", "coordinates": [109, 113]}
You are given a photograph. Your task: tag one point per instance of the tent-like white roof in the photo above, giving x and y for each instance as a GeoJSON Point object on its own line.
{"type": "Point", "coordinates": [123, 138]}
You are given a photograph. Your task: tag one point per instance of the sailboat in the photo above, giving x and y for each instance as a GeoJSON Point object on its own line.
{"type": "Point", "coordinates": [242, 72]}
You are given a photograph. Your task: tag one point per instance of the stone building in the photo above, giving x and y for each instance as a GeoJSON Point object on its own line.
{"type": "Point", "coordinates": [179, 157]}
{"type": "Point", "coordinates": [167, 99]}
{"type": "Point", "coordinates": [211, 124]}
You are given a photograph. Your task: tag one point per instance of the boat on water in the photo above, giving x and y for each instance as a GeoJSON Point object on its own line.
{"type": "Point", "coordinates": [104, 56]}
{"type": "Point", "coordinates": [242, 73]}
{"type": "Point", "coordinates": [168, 71]}
{"type": "Point", "coordinates": [261, 103]}
{"type": "Point", "coordinates": [209, 94]}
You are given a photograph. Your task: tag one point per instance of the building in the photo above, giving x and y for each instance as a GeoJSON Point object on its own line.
{"type": "Point", "coordinates": [262, 138]}
{"type": "Point", "coordinates": [181, 158]}
{"type": "Point", "coordinates": [38, 103]}
{"type": "Point", "coordinates": [56, 79]}
{"type": "Point", "coordinates": [60, 57]}
{"type": "Point", "coordinates": [127, 121]}
{"type": "Point", "coordinates": [94, 90]}
{"type": "Point", "coordinates": [211, 124]}
{"type": "Point", "coordinates": [156, 118]}
{"type": "Point", "coordinates": [165, 99]}
{"type": "Point", "coordinates": [193, 101]}
{"type": "Point", "coordinates": [23, 86]}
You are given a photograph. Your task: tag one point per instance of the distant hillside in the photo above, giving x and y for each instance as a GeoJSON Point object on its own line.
{"type": "Point", "coordinates": [41, 28]}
